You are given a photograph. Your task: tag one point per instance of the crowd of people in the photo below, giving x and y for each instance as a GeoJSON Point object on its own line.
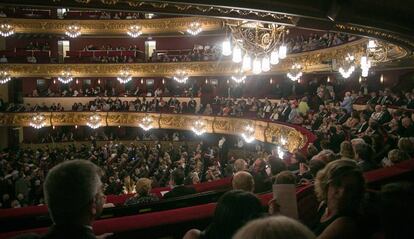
{"type": "Point", "coordinates": [314, 41]}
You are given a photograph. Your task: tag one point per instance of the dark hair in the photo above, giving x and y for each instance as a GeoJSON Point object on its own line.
{"type": "Point", "coordinates": [276, 165]}
{"type": "Point", "coordinates": [178, 176]}
{"type": "Point", "coordinates": [234, 209]}
{"type": "Point", "coordinates": [364, 152]}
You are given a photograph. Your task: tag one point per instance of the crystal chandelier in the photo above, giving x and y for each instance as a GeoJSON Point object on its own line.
{"type": "Point", "coordinates": [94, 121]}
{"type": "Point", "coordinates": [73, 31]}
{"type": "Point", "coordinates": [65, 77]}
{"type": "Point", "coordinates": [263, 41]}
{"type": "Point", "coordinates": [376, 51]}
{"type": "Point", "coordinates": [239, 78]}
{"type": "Point", "coordinates": [283, 141]}
{"type": "Point", "coordinates": [38, 121]}
{"type": "Point", "coordinates": [194, 28]}
{"type": "Point", "coordinates": [348, 68]}
{"type": "Point", "coordinates": [134, 31]}
{"type": "Point", "coordinates": [248, 134]}
{"type": "Point", "coordinates": [6, 30]}
{"type": "Point", "coordinates": [295, 72]}
{"type": "Point", "coordinates": [4, 77]}
{"type": "Point", "coordinates": [198, 127]}
{"type": "Point", "coordinates": [124, 77]}
{"type": "Point", "coordinates": [280, 152]}
{"type": "Point", "coordinates": [146, 123]}
{"type": "Point", "coordinates": [181, 77]}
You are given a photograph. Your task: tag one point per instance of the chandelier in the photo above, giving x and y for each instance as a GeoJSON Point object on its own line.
{"type": "Point", "coordinates": [280, 152]}
{"type": "Point", "coordinates": [73, 31]}
{"type": "Point", "coordinates": [261, 41]}
{"type": "Point", "coordinates": [376, 51]}
{"type": "Point", "coordinates": [94, 121]}
{"type": "Point", "coordinates": [295, 72]}
{"type": "Point", "coordinates": [65, 77]}
{"type": "Point", "coordinates": [6, 30]}
{"type": "Point", "coordinates": [198, 127]}
{"type": "Point", "coordinates": [4, 77]}
{"type": "Point", "coordinates": [124, 77]}
{"type": "Point", "coordinates": [134, 31]}
{"type": "Point", "coordinates": [38, 121]}
{"type": "Point", "coordinates": [239, 77]}
{"type": "Point", "coordinates": [248, 134]}
{"type": "Point", "coordinates": [348, 67]}
{"type": "Point", "coordinates": [146, 123]}
{"type": "Point", "coordinates": [181, 77]}
{"type": "Point", "coordinates": [194, 28]}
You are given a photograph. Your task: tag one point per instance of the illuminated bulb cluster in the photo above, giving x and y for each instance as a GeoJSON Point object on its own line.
{"type": "Point", "coordinates": [124, 77]}
{"type": "Point", "coordinates": [198, 127]}
{"type": "Point", "coordinates": [38, 121]}
{"type": "Point", "coordinates": [181, 77]}
{"type": "Point", "coordinates": [365, 66]}
{"type": "Point", "coordinates": [295, 73]}
{"type": "Point", "coordinates": [4, 77]}
{"type": "Point", "coordinates": [73, 31]}
{"type": "Point", "coordinates": [146, 123]}
{"type": "Point", "coordinates": [239, 79]}
{"type": "Point", "coordinates": [6, 30]}
{"type": "Point", "coordinates": [349, 67]}
{"type": "Point", "coordinates": [94, 121]}
{"type": "Point", "coordinates": [65, 77]}
{"type": "Point", "coordinates": [134, 31]}
{"type": "Point", "coordinates": [248, 134]}
{"type": "Point", "coordinates": [280, 152]}
{"type": "Point", "coordinates": [194, 28]}
{"type": "Point", "coordinates": [259, 64]}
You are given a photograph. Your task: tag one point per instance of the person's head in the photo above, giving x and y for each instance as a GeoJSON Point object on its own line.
{"type": "Point", "coordinates": [405, 145]}
{"type": "Point", "coordinates": [177, 177]}
{"type": "Point", "coordinates": [240, 165]}
{"type": "Point", "coordinates": [406, 122]}
{"type": "Point", "coordinates": [341, 185]}
{"type": "Point", "coordinates": [363, 152]}
{"type": "Point", "coordinates": [259, 165]}
{"type": "Point", "coordinates": [311, 150]}
{"type": "Point", "coordinates": [285, 177]}
{"type": "Point", "coordinates": [73, 192]}
{"type": "Point", "coordinates": [234, 209]}
{"type": "Point", "coordinates": [396, 156]}
{"type": "Point", "coordinates": [243, 181]}
{"type": "Point", "coordinates": [143, 186]}
{"type": "Point", "coordinates": [276, 227]}
{"type": "Point", "coordinates": [346, 150]}
{"type": "Point", "coordinates": [397, 209]}
{"type": "Point", "coordinates": [276, 165]}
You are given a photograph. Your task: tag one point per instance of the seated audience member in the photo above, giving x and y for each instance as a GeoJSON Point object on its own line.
{"type": "Point", "coordinates": [243, 181]}
{"type": "Point", "coordinates": [397, 210]}
{"type": "Point", "coordinates": [143, 195]}
{"type": "Point", "coordinates": [234, 209]}
{"type": "Point", "coordinates": [276, 166]}
{"type": "Point", "coordinates": [406, 145]}
{"type": "Point", "coordinates": [285, 177]}
{"type": "Point", "coordinates": [394, 156]}
{"type": "Point", "coordinates": [340, 188]}
{"type": "Point", "coordinates": [346, 151]}
{"type": "Point", "coordinates": [177, 182]}
{"type": "Point", "coordinates": [73, 192]}
{"type": "Point", "coordinates": [240, 165]}
{"type": "Point", "coordinates": [364, 157]}
{"type": "Point", "coordinates": [262, 182]}
{"type": "Point", "coordinates": [276, 227]}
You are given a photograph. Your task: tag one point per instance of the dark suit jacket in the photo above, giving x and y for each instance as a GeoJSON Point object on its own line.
{"type": "Point", "coordinates": [179, 191]}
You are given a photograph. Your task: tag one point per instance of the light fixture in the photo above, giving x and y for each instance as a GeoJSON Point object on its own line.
{"type": "Point", "coordinates": [348, 66]}
{"type": "Point", "coordinates": [237, 54]}
{"type": "Point", "coordinates": [134, 31]}
{"type": "Point", "coordinates": [4, 77]}
{"type": "Point", "coordinates": [257, 66]}
{"type": "Point", "coordinates": [73, 31]}
{"type": "Point", "coordinates": [238, 78]}
{"type": "Point", "coordinates": [263, 41]}
{"type": "Point", "coordinates": [199, 127]}
{"type": "Point", "coordinates": [38, 121]}
{"type": "Point", "coordinates": [371, 45]}
{"type": "Point", "coordinates": [282, 51]}
{"type": "Point", "coordinates": [124, 77]}
{"type": "Point", "coordinates": [280, 152]}
{"type": "Point", "coordinates": [146, 123]}
{"type": "Point", "coordinates": [94, 121]}
{"type": "Point", "coordinates": [6, 30]}
{"type": "Point", "coordinates": [274, 57]}
{"type": "Point", "coordinates": [194, 28]}
{"type": "Point", "coordinates": [226, 47]}
{"type": "Point", "coordinates": [382, 79]}
{"type": "Point", "coordinates": [365, 66]}
{"type": "Point", "coordinates": [376, 51]}
{"type": "Point", "coordinates": [248, 134]}
{"type": "Point", "coordinates": [295, 72]}
{"type": "Point", "coordinates": [65, 77]}
{"type": "Point", "coordinates": [328, 79]}
{"type": "Point", "coordinates": [283, 141]}
{"type": "Point", "coordinates": [247, 63]}
{"type": "Point", "coordinates": [265, 64]}
{"type": "Point", "coordinates": [181, 77]}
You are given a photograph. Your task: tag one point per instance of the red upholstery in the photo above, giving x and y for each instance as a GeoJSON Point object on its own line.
{"type": "Point", "coordinates": [389, 172]}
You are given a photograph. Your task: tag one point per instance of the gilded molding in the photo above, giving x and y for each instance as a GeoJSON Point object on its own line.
{"type": "Point", "coordinates": [313, 61]}
{"type": "Point", "coordinates": [264, 131]}
{"type": "Point", "coordinates": [112, 27]}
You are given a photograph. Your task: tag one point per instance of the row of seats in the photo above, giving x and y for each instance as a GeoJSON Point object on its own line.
{"type": "Point", "coordinates": [103, 53]}
{"type": "Point", "coordinates": [137, 225]}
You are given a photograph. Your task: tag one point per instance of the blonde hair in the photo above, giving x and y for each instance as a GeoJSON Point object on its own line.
{"type": "Point", "coordinates": [405, 145]}
{"type": "Point", "coordinates": [243, 181]}
{"type": "Point", "coordinates": [347, 150]}
{"type": "Point", "coordinates": [143, 186]}
{"type": "Point", "coordinates": [276, 227]}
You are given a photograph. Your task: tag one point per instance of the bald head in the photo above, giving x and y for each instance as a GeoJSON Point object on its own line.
{"type": "Point", "coordinates": [243, 181]}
